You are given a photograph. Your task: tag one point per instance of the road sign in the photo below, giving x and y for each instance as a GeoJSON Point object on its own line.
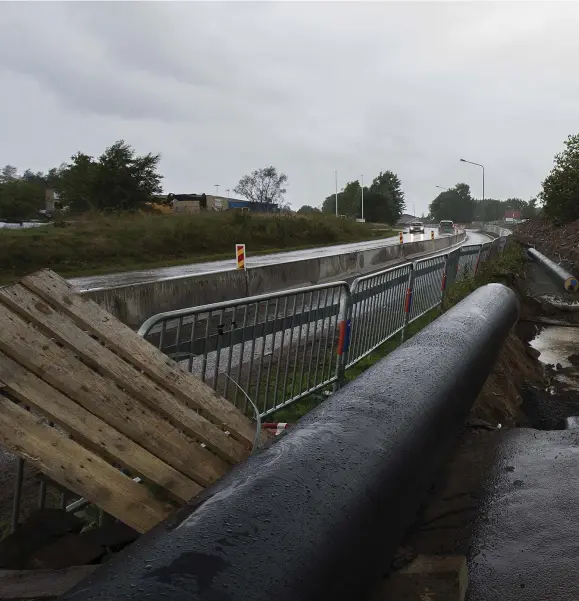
{"type": "Point", "coordinates": [240, 253]}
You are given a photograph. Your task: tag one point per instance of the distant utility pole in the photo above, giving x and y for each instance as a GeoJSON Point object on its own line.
{"type": "Point", "coordinates": [362, 176]}
{"type": "Point", "coordinates": [336, 175]}
{"type": "Point", "coordinates": [228, 190]}
{"type": "Point", "coordinates": [216, 189]}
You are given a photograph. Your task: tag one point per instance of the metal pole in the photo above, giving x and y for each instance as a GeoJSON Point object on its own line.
{"type": "Point", "coordinates": [336, 175]}
{"type": "Point", "coordinates": [216, 189]}
{"type": "Point", "coordinates": [483, 174]}
{"type": "Point", "coordinates": [362, 198]}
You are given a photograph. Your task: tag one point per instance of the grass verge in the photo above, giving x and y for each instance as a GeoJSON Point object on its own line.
{"type": "Point", "coordinates": [103, 244]}
{"type": "Point", "coordinates": [502, 269]}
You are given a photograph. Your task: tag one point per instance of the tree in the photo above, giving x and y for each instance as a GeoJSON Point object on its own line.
{"type": "Point", "coordinates": [455, 203]}
{"type": "Point", "coordinates": [8, 173]}
{"type": "Point", "coordinates": [262, 185]}
{"type": "Point", "coordinates": [307, 209]}
{"type": "Point", "coordinates": [384, 202]}
{"type": "Point", "coordinates": [560, 193]}
{"type": "Point", "coordinates": [118, 180]}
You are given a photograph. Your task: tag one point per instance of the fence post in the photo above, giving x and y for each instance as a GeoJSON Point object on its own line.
{"type": "Point", "coordinates": [444, 281]}
{"type": "Point", "coordinates": [408, 302]}
{"type": "Point", "coordinates": [477, 260]}
{"type": "Point", "coordinates": [345, 323]}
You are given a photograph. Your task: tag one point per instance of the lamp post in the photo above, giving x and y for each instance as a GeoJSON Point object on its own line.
{"type": "Point", "coordinates": [216, 189]}
{"type": "Point", "coordinates": [336, 177]}
{"type": "Point", "coordinates": [483, 174]}
{"type": "Point", "coordinates": [362, 197]}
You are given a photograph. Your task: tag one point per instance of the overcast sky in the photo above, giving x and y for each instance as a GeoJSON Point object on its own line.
{"type": "Point", "coordinates": [222, 88]}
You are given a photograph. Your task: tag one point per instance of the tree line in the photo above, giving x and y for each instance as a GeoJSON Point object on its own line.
{"type": "Point", "coordinates": [457, 204]}
{"type": "Point", "coordinates": [117, 180]}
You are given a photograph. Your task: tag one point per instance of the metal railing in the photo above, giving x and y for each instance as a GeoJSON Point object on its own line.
{"type": "Point", "coordinates": [281, 347]}
{"type": "Point", "coordinates": [277, 347]}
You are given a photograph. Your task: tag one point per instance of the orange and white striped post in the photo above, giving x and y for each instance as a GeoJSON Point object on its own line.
{"type": "Point", "coordinates": [401, 237]}
{"type": "Point", "coordinates": [240, 253]}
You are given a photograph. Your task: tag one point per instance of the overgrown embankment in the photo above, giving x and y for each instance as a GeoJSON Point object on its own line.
{"type": "Point", "coordinates": [118, 243]}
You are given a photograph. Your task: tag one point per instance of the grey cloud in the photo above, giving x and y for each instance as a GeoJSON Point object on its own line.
{"type": "Point", "coordinates": [221, 88]}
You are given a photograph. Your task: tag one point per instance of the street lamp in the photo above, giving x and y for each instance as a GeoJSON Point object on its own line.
{"type": "Point", "coordinates": [442, 188]}
{"type": "Point", "coordinates": [216, 189]}
{"type": "Point", "coordinates": [362, 197]}
{"type": "Point", "coordinates": [483, 174]}
{"type": "Point", "coordinates": [336, 176]}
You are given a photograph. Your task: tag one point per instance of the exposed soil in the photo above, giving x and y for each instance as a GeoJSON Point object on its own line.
{"type": "Point", "coordinates": [558, 242]}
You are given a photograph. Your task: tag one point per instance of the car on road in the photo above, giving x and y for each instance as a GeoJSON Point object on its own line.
{"type": "Point", "coordinates": [416, 226]}
{"type": "Point", "coordinates": [446, 227]}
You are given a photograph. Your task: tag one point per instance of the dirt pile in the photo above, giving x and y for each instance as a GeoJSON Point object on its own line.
{"type": "Point", "coordinates": [500, 400]}
{"type": "Point", "coordinates": [557, 242]}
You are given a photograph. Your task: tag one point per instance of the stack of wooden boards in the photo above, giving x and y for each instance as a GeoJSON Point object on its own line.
{"type": "Point", "coordinates": [117, 401]}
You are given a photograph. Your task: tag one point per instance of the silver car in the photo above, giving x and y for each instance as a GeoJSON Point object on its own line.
{"type": "Point", "coordinates": [416, 226]}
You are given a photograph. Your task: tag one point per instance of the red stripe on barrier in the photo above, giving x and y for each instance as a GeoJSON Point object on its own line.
{"type": "Point", "coordinates": [341, 338]}
{"type": "Point", "coordinates": [408, 300]}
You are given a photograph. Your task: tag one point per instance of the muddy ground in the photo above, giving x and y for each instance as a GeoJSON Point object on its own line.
{"type": "Point", "coordinates": [535, 384]}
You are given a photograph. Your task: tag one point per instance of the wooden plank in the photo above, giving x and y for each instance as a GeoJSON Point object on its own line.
{"type": "Point", "coordinates": [91, 431]}
{"type": "Point", "coordinates": [58, 366]}
{"type": "Point", "coordinates": [79, 470]}
{"type": "Point", "coordinates": [56, 325]}
{"type": "Point", "coordinates": [134, 349]}
{"type": "Point", "coordinates": [40, 584]}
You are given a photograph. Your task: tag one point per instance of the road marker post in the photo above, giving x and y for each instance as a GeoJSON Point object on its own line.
{"type": "Point", "coordinates": [432, 234]}
{"type": "Point", "coordinates": [401, 237]}
{"type": "Point", "coordinates": [240, 254]}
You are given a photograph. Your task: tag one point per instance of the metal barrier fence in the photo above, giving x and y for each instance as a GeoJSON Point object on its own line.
{"type": "Point", "coordinates": [281, 347]}
{"type": "Point", "coordinates": [278, 348]}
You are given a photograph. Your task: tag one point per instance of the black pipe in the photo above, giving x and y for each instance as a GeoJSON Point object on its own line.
{"type": "Point", "coordinates": [569, 281]}
{"type": "Point", "coordinates": [320, 513]}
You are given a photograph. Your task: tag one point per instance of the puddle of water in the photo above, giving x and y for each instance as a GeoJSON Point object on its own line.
{"type": "Point", "coordinates": [556, 344]}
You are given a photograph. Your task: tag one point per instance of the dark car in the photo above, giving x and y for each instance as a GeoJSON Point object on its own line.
{"type": "Point", "coordinates": [416, 226]}
{"type": "Point", "coordinates": [446, 227]}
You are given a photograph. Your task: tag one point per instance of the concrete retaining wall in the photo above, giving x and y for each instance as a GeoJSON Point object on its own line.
{"type": "Point", "coordinates": [496, 230]}
{"type": "Point", "coordinates": [135, 303]}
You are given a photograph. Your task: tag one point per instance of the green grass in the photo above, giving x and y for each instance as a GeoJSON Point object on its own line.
{"type": "Point", "coordinates": [501, 269]}
{"type": "Point", "coordinates": [105, 244]}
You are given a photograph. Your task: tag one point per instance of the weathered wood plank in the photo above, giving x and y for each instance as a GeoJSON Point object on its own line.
{"type": "Point", "coordinates": [40, 584]}
{"type": "Point", "coordinates": [56, 325]}
{"type": "Point", "coordinates": [79, 470]}
{"type": "Point", "coordinates": [91, 431]}
{"type": "Point", "coordinates": [123, 341]}
{"type": "Point", "coordinates": [58, 366]}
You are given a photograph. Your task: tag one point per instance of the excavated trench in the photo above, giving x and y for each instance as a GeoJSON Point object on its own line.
{"type": "Point", "coordinates": [507, 498]}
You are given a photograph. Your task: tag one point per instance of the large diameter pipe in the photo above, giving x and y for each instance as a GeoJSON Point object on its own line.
{"type": "Point", "coordinates": [320, 513]}
{"type": "Point", "coordinates": [569, 281]}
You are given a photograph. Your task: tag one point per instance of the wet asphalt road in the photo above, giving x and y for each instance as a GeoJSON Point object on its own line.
{"type": "Point", "coordinates": [112, 280]}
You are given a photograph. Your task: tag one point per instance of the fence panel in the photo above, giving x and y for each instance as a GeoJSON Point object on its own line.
{"type": "Point", "coordinates": [377, 313]}
{"type": "Point", "coordinates": [427, 285]}
{"type": "Point", "coordinates": [468, 261]}
{"type": "Point", "coordinates": [274, 348]}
